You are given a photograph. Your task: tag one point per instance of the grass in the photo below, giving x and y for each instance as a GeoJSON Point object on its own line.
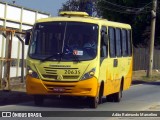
{"type": "Point", "coordinates": [142, 76]}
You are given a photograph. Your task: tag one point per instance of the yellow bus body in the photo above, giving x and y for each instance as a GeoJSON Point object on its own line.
{"type": "Point", "coordinates": [106, 74]}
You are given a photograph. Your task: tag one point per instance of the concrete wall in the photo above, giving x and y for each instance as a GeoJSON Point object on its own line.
{"type": "Point", "coordinates": [12, 16]}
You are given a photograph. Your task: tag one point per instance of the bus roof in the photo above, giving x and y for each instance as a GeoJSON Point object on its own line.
{"type": "Point", "coordinates": [83, 17]}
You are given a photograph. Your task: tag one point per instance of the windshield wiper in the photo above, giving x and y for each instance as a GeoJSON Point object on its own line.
{"type": "Point", "coordinates": [49, 57]}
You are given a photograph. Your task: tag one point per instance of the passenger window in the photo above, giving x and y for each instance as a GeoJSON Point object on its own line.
{"type": "Point", "coordinates": [129, 42]}
{"type": "Point", "coordinates": [124, 43]}
{"type": "Point", "coordinates": [118, 43]}
{"type": "Point", "coordinates": [111, 34]}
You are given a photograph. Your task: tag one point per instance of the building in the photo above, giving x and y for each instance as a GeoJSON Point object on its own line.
{"type": "Point", "coordinates": [16, 17]}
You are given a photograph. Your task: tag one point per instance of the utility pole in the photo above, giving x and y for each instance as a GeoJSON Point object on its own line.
{"type": "Point", "coordinates": [152, 37]}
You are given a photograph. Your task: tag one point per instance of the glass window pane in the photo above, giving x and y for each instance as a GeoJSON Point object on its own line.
{"type": "Point", "coordinates": [112, 41]}
{"type": "Point", "coordinates": [118, 43]}
{"type": "Point", "coordinates": [129, 42]}
{"type": "Point", "coordinates": [124, 43]}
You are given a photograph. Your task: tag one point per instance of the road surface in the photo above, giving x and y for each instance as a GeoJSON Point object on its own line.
{"type": "Point", "coordinates": [142, 97]}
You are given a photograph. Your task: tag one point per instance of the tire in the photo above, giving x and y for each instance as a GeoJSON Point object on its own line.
{"type": "Point", "coordinates": [93, 102]}
{"type": "Point", "coordinates": [100, 100]}
{"type": "Point", "coordinates": [38, 100]}
{"type": "Point", "coordinates": [117, 96]}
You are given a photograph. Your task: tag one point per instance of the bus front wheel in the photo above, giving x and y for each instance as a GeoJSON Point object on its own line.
{"type": "Point", "coordinates": [93, 102]}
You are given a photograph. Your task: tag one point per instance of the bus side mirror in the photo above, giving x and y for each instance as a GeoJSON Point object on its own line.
{"type": "Point", "coordinates": [104, 38]}
{"type": "Point", "coordinates": [103, 51]}
{"type": "Point", "coordinates": [27, 37]}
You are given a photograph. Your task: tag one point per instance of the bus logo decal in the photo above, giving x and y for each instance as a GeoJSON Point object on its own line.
{"type": "Point", "coordinates": [59, 77]}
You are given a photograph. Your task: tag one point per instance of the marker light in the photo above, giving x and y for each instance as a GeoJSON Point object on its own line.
{"type": "Point", "coordinates": [32, 73]}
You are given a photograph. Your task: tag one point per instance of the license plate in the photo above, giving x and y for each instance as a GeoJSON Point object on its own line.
{"type": "Point", "coordinates": [58, 89]}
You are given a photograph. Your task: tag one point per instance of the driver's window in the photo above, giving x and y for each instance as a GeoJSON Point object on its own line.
{"type": "Point", "coordinates": [104, 44]}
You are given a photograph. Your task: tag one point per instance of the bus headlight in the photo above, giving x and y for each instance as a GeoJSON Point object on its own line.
{"type": "Point", "coordinates": [32, 73]}
{"type": "Point", "coordinates": [89, 74]}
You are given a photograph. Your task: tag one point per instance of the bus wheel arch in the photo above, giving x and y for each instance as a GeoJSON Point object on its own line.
{"type": "Point", "coordinates": [101, 90]}
{"type": "Point", "coordinates": [94, 101]}
{"type": "Point", "coordinates": [117, 96]}
{"type": "Point", "coordinates": [122, 83]}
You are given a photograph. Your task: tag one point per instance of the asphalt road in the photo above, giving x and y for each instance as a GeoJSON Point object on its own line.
{"type": "Point", "coordinates": [141, 97]}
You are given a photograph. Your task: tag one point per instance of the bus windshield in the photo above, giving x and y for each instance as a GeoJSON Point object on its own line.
{"type": "Point", "coordinates": [65, 41]}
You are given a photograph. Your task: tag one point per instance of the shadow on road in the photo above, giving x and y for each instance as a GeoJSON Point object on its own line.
{"type": "Point", "coordinates": [135, 82]}
{"type": "Point", "coordinates": [66, 103]}
{"type": "Point", "coordinates": [13, 97]}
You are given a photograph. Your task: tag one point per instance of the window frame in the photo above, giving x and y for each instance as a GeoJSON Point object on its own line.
{"type": "Point", "coordinates": [111, 52]}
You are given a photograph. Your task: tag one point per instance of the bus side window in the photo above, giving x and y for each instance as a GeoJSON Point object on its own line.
{"type": "Point", "coordinates": [118, 43]}
{"type": "Point", "coordinates": [111, 34]}
{"type": "Point", "coordinates": [124, 43]}
{"type": "Point", "coordinates": [104, 42]}
{"type": "Point", "coordinates": [129, 42]}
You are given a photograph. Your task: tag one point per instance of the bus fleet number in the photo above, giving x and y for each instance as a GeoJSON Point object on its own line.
{"type": "Point", "coordinates": [72, 72]}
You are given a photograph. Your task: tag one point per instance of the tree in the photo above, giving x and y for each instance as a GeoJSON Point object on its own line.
{"type": "Point", "coordinates": [88, 6]}
{"type": "Point", "coordinates": [134, 12]}
{"type": "Point", "coordinates": [71, 5]}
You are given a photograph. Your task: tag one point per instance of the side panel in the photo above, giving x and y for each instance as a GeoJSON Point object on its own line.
{"type": "Point", "coordinates": [115, 70]}
{"type": "Point", "coordinates": [106, 74]}
{"type": "Point", "coordinates": [128, 78]}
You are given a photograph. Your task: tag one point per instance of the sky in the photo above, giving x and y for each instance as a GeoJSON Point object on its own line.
{"type": "Point", "coordinates": [48, 6]}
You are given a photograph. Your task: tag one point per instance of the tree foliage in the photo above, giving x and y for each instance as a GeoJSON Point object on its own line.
{"type": "Point", "coordinates": [134, 12]}
{"type": "Point", "coordinates": [137, 13]}
{"type": "Point", "coordinates": [71, 5]}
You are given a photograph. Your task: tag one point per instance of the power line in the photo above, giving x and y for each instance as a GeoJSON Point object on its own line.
{"type": "Point", "coordinates": [126, 7]}
{"type": "Point", "coordinates": [128, 10]}
{"type": "Point", "coordinates": [125, 12]}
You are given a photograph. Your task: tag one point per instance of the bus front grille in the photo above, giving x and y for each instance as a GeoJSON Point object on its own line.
{"type": "Point", "coordinates": [50, 76]}
{"type": "Point", "coordinates": [65, 77]}
{"type": "Point", "coordinates": [52, 73]}
{"type": "Point", "coordinates": [70, 77]}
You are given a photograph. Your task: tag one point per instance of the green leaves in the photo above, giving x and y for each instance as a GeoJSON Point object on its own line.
{"type": "Point", "coordinates": [137, 13]}
{"type": "Point", "coordinates": [134, 12]}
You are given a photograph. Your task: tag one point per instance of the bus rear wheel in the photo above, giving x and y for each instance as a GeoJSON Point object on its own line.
{"type": "Point", "coordinates": [117, 96]}
{"type": "Point", "coordinates": [38, 100]}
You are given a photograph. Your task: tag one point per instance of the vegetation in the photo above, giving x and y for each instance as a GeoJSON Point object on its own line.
{"type": "Point", "coordinates": [141, 76]}
{"type": "Point", "coordinates": [134, 12]}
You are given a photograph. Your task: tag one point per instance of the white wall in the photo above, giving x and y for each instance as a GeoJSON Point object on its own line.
{"type": "Point", "coordinates": [2, 9]}
{"type": "Point", "coordinates": [12, 25]}
{"type": "Point", "coordinates": [0, 45]}
{"type": "Point", "coordinates": [13, 13]}
{"type": "Point", "coordinates": [28, 16]}
{"type": "Point", "coordinates": [19, 18]}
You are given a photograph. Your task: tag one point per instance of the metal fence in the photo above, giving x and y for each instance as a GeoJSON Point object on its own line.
{"type": "Point", "coordinates": [141, 58]}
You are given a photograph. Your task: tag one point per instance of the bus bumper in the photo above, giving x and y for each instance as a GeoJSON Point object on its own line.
{"type": "Point", "coordinates": [87, 87]}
